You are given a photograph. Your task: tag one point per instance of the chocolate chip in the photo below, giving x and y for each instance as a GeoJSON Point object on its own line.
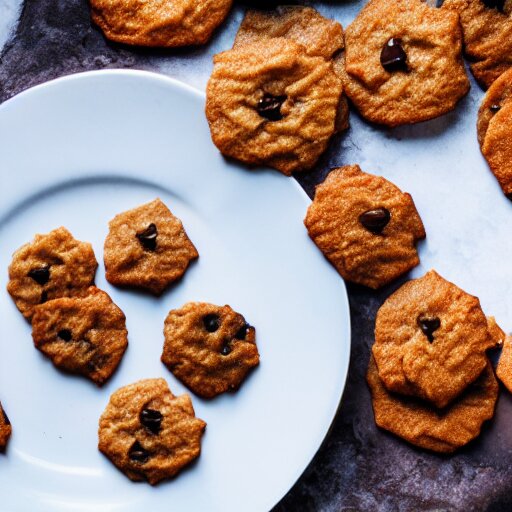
{"type": "Point", "coordinates": [44, 297]}
{"type": "Point", "coordinates": [226, 349]}
{"type": "Point", "coordinates": [393, 56]}
{"type": "Point", "coordinates": [151, 419]}
{"type": "Point", "coordinates": [494, 108]}
{"type": "Point", "coordinates": [40, 275]}
{"type": "Point", "coordinates": [242, 332]}
{"type": "Point", "coordinates": [428, 325]}
{"type": "Point", "coordinates": [65, 334]}
{"type": "Point", "coordinates": [147, 238]}
{"type": "Point", "coordinates": [269, 107]}
{"type": "Point", "coordinates": [375, 220]}
{"type": "Point", "coordinates": [137, 453]}
{"type": "Point", "coordinates": [495, 4]}
{"type": "Point", "coordinates": [211, 322]}
{"type": "Point", "coordinates": [6, 418]}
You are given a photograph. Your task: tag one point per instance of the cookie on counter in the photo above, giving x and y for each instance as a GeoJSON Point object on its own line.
{"type": "Point", "coordinates": [209, 348]}
{"type": "Point", "coordinates": [422, 425]}
{"type": "Point", "coordinates": [269, 103]}
{"type": "Point", "coordinates": [84, 335]}
{"type": "Point", "coordinates": [149, 433]}
{"type": "Point", "coordinates": [487, 29]}
{"type": "Point", "coordinates": [365, 226]}
{"type": "Point", "coordinates": [148, 248]}
{"type": "Point", "coordinates": [431, 339]}
{"type": "Point", "coordinates": [403, 62]}
{"type": "Point", "coordinates": [5, 429]}
{"type": "Point", "coordinates": [53, 265]}
{"type": "Point", "coordinates": [159, 23]}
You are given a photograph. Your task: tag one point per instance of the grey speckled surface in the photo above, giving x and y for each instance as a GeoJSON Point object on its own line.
{"type": "Point", "coordinates": [358, 467]}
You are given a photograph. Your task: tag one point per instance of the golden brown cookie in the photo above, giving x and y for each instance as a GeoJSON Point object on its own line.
{"type": "Point", "coordinates": [5, 429]}
{"type": "Point", "coordinates": [504, 368]}
{"type": "Point", "coordinates": [403, 62]}
{"type": "Point", "coordinates": [51, 266]}
{"type": "Point", "coordinates": [424, 426]}
{"type": "Point", "coordinates": [431, 339]}
{"type": "Point", "coordinates": [147, 247]}
{"type": "Point", "coordinates": [270, 103]}
{"type": "Point", "coordinates": [365, 226]}
{"type": "Point", "coordinates": [209, 348]}
{"type": "Point", "coordinates": [487, 28]}
{"type": "Point", "coordinates": [159, 22]}
{"type": "Point", "coordinates": [149, 433]}
{"type": "Point", "coordinates": [85, 335]}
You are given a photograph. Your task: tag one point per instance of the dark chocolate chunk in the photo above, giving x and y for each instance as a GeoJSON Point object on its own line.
{"type": "Point", "coordinates": [242, 332]}
{"type": "Point", "coordinates": [147, 238]}
{"type": "Point", "coordinates": [151, 419]}
{"type": "Point", "coordinates": [495, 4]}
{"type": "Point", "coordinates": [393, 56]}
{"type": "Point", "coordinates": [211, 322]}
{"type": "Point", "coordinates": [428, 325]}
{"type": "Point", "coordinates": [40, 275]}
{"type": "Point", "coordinates": [137, 453]}
{"type": "Point", "coordinates": [375, 220]}
{"type": "Point", "coordinates": [269, 107]}
{"type": "Point", "coordinates": [494, 108]}
{"type": "Point", "coordinates": [226, 349]}
{"type": "Point", "coordinates": [44, 297]}
{"type": "Point", "coordinates": [65, 334]}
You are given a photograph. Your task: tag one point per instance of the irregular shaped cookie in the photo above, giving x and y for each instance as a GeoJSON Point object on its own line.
{"type": "Point", "coordinates": [5, 429]}
{"type": "Point", "coordinates": [209, 348]}
{"type": "Point", "coordinates": [431, 339]}
{"type": "Point", "coordinates": [403, 62]}
{"type": "Point", "coordinates": [487, 28]}
{"type": "Point", "coordinates": [441, 431]}
{"type": "Point", "coordinates": [85, 335]}
{"type": "Point", "coordinates": [149, 433]}
{"type": "Point", "coordinates": [365, 226]}
{"type": "Point", "coordinates": [159, 22]}
{"type": "Point", "coordinates": [147, 247]}
{"type": "Point", "coordinates": [504, 368]}
{"type": "Point", "coordinates": [269, 103]}
{"type": "Point", "coordinates": [51, 266]}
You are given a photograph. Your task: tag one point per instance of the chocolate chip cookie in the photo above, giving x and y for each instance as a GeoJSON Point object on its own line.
{"type": "Point", "coordinates": [147, 247]}
{"type": "Point", "coordinates": [209, 348]}
{"type": "Point", "coordinates": [487, 28]}
{"type": "Point", "coordinates": [159, 22]}
{"type": "Point", "coordinates": [5, 429]}
{"type": "Point", "coordinates": [51, 266]}
{"type": "Point", "coordinates": [149, 433]}
{"type": "Point", "coordinates": [365, 226]}
{"type": "Point", "coordinates": [403, 62]}
{"type": "Point", "coordinates": [270, 103]}
{"type": "Point", "coordinates": [431, 339]}
{"type": "Point", "coordinates": [424, 426]}
{"type": "Point", "coordinates": [84, 335]}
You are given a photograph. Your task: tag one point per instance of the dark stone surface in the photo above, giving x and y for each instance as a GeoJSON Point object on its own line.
{"type": "Point", "coordinates": [358, 466]}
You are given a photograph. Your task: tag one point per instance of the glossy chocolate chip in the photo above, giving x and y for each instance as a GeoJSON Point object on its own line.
{"type": "Point", "coordinates": [40, 275]}
{"type": "Point", "coordinates": [428, 326]}
{"type": "Point", "coordinates": [137, 453]}
{"type": "Point", "coordinates": [65, 334]}
{"type": "Point", "coordinates": [6, 418]}
{"type": "Point", "coordinates": [151, 419]}
{"type": "Point", "coordinates": [226, 349]}
{"type": "Point", "coordinates": [494, 108]}
{"type": "Point", "coordinates": [393, 56]}
{"type": "Point", "coordinates": [211, 322]}
{"type": "Point", "coordinates": [147, 238]}
{"type": "Point", "coordinates": [495, 4]}
{"type": "Point", "coordinates": [242, 332]}
{"type": "Point", "coordinates": [375, 220]}
{"type": "Point", "coordinates": [269, 107]}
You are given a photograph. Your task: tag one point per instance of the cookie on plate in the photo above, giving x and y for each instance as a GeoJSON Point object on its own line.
{"type": "Point", "coordinates": [431, 339]}
{"type": "Point", "coordinates": [51, 266]}
{"type": "Point", "coordinates": [147, 247]}
{"type": "Point", "coordinates": [487, 28]}
{"type": "Point", "coordinates": [422, 425]}
{"type": "Point", "coordinates": [403, 62]}
{"type": "Point", "coordinates": [209, 348]}
{"type": "Point", "coordinates": [159, 22]}
{"type": "Point", "coordinates": [84, 335]}
{"type": "Point", "coordinates": [270, 103]}
{"type": "Point", "coordinates": [5, 429]}
{"type": "Point", "coordinates": [149, 433]}
{"type": "Point", "coordinates": [365, 226]}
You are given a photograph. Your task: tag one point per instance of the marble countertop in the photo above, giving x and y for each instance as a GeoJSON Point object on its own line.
{"type": "Point", "coordinates": [467, 220]}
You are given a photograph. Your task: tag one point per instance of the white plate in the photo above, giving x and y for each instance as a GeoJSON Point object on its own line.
{"type": "Point", "coordinates": [75, 152]}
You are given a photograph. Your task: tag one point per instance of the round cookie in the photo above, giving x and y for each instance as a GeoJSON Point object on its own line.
{"type": "Point", "coordinates": [51, 266]}
{"type": "Point", "coordinates": [5, 429]}
{"type": "Point", "coordinates": [365, 226]}
{"type": "Point", "coordinates": [149, 433]}
{"type": "Point", "coordinates": [147, 247]}
{"type": "Point", "coordinates": [423, 426]}
{"type": "Point", "coordinates": [84, 335]}
{"type": "Point", "coordinates": [209, 348]}
{"type": "Point", "coordinates": [487, 29]}
{"type": "Point", "coordinates": [431, 339]}
{"type": "Point", "coordinates": [403, 62]}
{"type": "Point", "coordinates": [269, 103]}
{"type": "Point", "coordinates": [159, 23]}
